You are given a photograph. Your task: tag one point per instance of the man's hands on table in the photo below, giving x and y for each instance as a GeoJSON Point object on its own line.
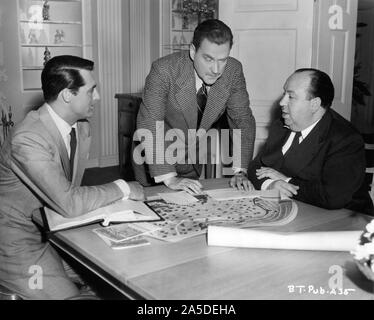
{"type": "Point", "coordinates": [189, 185]}
{"type": "Point", "coordinates": [281, 182]}
{"type": "Point", "coordinates": [241, 182]}
{"type": "Point", "coordinates": [136, 191]}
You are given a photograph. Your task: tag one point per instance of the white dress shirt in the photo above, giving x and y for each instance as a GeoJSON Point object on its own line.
{"type": "Point", "coordinates": [64, 128]}
{"type": "Point", "coordinates": [286, 146]}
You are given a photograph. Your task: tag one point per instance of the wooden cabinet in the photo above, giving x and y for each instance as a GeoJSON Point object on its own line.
{"type": "Point", "coordinates": [128, 106]}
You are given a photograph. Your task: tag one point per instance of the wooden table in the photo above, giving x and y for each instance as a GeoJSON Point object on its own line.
{"type": "Point", "coordinates": [191, 270]}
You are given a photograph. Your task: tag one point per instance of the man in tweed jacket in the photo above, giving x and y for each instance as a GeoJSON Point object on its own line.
{"type": "Point", "coordinates": [170, 102]}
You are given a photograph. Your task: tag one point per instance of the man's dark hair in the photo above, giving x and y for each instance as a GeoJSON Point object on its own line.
{"type": "Point", "coordinates": [214, 30]}
{"type": "Point", "coordinates": [320, 86]}
{"type": "Point", "coordinates": [62, 72]}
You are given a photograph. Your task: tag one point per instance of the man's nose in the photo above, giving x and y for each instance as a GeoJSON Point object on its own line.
{"type": "Point", "coordinates": [283, 101]}
{"type": "Point", "coordinates": [215, 68]}
{"type": "Point", "coordinates": [96, 95]}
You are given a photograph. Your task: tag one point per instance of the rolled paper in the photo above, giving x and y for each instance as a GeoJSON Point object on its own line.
{"type": "Point", "coordinates": [249, 238]}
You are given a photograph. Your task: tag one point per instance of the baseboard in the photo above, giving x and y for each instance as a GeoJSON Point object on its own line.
{"type": "Point", "coordinates": [92, 163]}
{"type": "Point", "coordinates": [108, 161]}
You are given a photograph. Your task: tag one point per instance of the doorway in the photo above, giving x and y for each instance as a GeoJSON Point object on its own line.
{"type": "Point", "coordinates": [362, 115]}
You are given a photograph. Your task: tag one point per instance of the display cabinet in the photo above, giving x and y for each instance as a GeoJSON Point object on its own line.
{"type": "Point", "coordinates": [179, 20]}
{"type": "Point", "coordinates": [47, 29]}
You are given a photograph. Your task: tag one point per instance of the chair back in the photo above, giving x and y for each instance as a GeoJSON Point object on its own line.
{"type": "Point", "coordinates": [369, 147]}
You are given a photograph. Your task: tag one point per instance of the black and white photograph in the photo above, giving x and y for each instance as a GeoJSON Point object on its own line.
{"type": "Point", "coordinates": [186, 157]}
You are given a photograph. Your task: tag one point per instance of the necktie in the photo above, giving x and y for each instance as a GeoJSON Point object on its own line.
{"type": "Point", "coordinates": [201, 96]}
{"type": "Point", "coordinates": [295, 142]}
{"type": "Point", "coordinates": [73, 147]}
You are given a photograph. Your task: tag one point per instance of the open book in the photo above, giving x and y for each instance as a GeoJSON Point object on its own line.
{"type": "Point", "coordinates": [119, 211]}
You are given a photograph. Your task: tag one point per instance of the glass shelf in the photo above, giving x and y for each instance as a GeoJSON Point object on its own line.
{"type": "Point", "coordinates": [33, 68]}
{"type": "Point", "coordinates": [31, 22]}
{"type": "Point", "coordinates": [51, 45]}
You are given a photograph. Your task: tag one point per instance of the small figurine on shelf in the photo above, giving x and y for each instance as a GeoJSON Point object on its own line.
{"type": "Point", "coordinates": [47, 55]}
{"type": "Point", "coordinates": [10, 114]}
{"type": "Point", "coordinates": [46, 10]}
{"type": "Point", "coordinates": [59, 36]}
{"type": "Point", "coordinates": [185, 23]}
{"type": "Point", "coordinates": [32, 37]}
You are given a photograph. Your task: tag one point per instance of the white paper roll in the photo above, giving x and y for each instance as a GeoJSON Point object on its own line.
{"type": "Point", "coordinates": [249, 238]}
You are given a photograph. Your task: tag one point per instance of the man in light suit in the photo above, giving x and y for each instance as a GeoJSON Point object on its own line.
{"type": "Point", "coordinates": [41, 164]}
{"type": "Point", "coordinates": [313, 154]}
{"type": "Point", "coordinates": [170, 102]}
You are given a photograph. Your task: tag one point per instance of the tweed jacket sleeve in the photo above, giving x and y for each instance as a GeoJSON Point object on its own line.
{"type": "Point", "coordinates": [239, 115]}
{"type": "Point", "coordinates": [152, 113]}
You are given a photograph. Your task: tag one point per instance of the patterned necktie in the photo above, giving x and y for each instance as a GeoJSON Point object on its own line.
{"type": "Point", "coordinates": [73, 148]}
{"type": "Point", "coordinates": [201, 96]}
{"type": "Point", "coordinates": [295, 142]}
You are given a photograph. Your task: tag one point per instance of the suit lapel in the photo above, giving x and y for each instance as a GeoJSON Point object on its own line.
{"type": "Point", "coordinates": [300, 157]}
{"type": "Point", "coordinates": [186, 95]}
{"type": "Point", "coordinates": [273, 156]}
{"type": "Point", "coordinates": [50, 125]}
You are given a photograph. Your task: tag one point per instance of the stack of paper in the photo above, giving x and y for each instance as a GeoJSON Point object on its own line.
{"type": "Point", "coordinates": [122, 236]}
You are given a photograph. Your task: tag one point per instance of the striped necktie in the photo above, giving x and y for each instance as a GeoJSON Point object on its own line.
{"type": "Point", "coordinates": [201, 96]}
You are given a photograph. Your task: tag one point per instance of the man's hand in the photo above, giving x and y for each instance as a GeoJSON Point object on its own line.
{"type": "Point", "coordinates": [189, 185]}
{"type": "Point", "coordinates": [286, 189]}
{"type": "Point", "coordinates": [265, 172]}
{"type": "Point", "coordinates": [240, 182]}
{"type": "Point", "coordinates": [136, 191]}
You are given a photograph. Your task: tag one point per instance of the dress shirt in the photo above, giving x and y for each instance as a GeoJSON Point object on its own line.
{"type": "Point", "coordinates": [64, 128]}
{"type": "Point", "coordinates": [286, 146]}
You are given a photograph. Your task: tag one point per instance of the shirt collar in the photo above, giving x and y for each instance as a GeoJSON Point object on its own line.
{"type": "Point", "coordinates": [63, 127]}
{"type": "Point", "coordinates": [306, 131]}
{"type": "Point", "coordinates": [198, 81]}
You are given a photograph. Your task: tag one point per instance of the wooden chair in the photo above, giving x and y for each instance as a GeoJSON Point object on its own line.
{"type": "Point", "coordinates": [369, 147]}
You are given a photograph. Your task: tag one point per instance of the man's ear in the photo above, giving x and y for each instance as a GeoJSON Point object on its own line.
{"type": "Point", "coordinates": [66, 95]}
{"type": "Point", "coordinates": [192, 51]}
{"type": "Point", "coordinates": [315, 104]}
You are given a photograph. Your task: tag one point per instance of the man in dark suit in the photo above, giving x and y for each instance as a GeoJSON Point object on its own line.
{"type": "Point", "coordinates": [41, 164]}
{"type": "Point", "coordinates": [313, 154]}
{"type": "Point", "coordinates": [186, 91]}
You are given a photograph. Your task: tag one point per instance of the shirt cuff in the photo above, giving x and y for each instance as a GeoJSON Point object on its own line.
{"type": "Point", "coordinates": [237, 170]}
{"type": "Point", "coordinates": [164, 177]}
{"type": "Point", "coordinates": [124, 188]}
{"type": "Point", "coordinates": [265, 185]}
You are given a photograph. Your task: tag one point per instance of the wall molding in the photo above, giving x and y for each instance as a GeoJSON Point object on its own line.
{"type": "Point", "coordinates": [110, 53]}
